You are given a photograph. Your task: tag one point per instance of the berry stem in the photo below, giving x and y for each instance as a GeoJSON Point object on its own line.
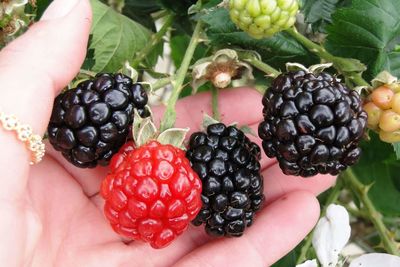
{"type": "Point", "coordinates": [320, 51]}
{"type": "Point", "coordinates": [215, 109]}
{"type": "Point", "coordinates": [155, 39]}
{"type": "Point", "coordinates": [161, 83]}
{"type": "Point", "coordinates": [177, 82]}
{"type": "Point", "coordinates": [361, 191]}
{"type": "Point", "coordinates": [252, 59]}
{"type": "Point", "coordinates": [118, 5]}
{"type": "Point", "coordinates": [332, 198]}
{"type": "Point", "coordinates": [87, 72]}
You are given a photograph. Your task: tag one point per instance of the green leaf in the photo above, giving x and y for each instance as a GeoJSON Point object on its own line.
{"type": "Point", "coordinates": [318, 13]}
{"type": "Point", "coordinates": [180, 7]}
{"type": "Point", "coordinates": [367, 30]}
{"type": "Point", "coordinates": [393, 64]}
{"type": "Point", "coordinates": [140, 11]}
{"type": "Point", "coordinates": [41, 6]}
{"type": "Point", "coordinates": [396, 147]}
{"type": "Point", "coordinates": [276, 51]}
{"type": "Point", "coordinates": [378, 167]}
{"type": "Point", "coordinates": [115, 38]}
{"type": "Point", "coordinates": [211, 3]}
{"type": "Point", "coordinates": [179, 43]}
{"type": "Point", "coordinates": [288, 260]}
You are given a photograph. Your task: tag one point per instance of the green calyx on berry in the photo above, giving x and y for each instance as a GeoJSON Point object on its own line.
{"type": "Point", "coordinates": [221, 70]}
{"type": "Point", "coordinates": [144, 130]}
{"type": "Point", "coordinates": [383, 107]}
{"type": "Point", "coordinates": [263, 18]}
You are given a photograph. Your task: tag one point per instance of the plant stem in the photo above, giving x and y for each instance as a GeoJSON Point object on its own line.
{"type": "Point", "coordinates": [320, 51]}
{"type": "Point", "coordinates": [358, 79]}
{"type": "Point", "coordinates": [361, 191]}
{"type": "Point", "coordinates": [155, 39]}
{"type": "Point", "coordinates": [87, 72]}
{"type": "Point", "coordinates": [256, 62]}
{"type": "Point", "coordinates": [356, 212]}
{"type": "Point", "coordinates": [161, 83]}
{"type": "Point", "coordinates": [118, 5]}
{"type": "Point", "coordinates": [332, 198]}
{"type": "Point", "coordinates": [170, 114]}
{"type": "Point", "coordinates": [160, 14]}
{"type": "Point", "coordinates": [215, 109]}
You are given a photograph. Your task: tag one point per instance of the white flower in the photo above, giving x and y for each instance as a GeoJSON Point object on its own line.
{"type": "Point", "coordinates": [310, 263]}
{"type": "Point", "coordinates": [376, 260]}
{"type": "Point", "coordinates": [331, 234]}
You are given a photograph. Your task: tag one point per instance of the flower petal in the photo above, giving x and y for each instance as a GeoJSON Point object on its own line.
{"type": "Point", "coordinates": [310, 263]}
{"type": "Point", "coordinates": [331, 235]}
{"type": "Point", "coordinates": [376, 259]}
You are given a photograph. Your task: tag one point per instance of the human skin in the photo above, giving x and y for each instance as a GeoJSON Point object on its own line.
{"type": "Point", "coordinates": [51, 213]}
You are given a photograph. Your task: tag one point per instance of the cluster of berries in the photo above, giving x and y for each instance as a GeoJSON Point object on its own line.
{"type": "Point", "coordinates": [152, 192]}
{"type": "Point", "coordinates": [312, 124]}
{"type": "Point", "coordinates": [260, 18]}
{"type": "Point", "coordinates": [383, 110]}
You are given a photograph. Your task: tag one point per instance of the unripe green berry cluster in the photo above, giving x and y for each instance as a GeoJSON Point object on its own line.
{"type": "Point", "coordinates": [263, 18]}
{"type": "Point", "coordinates": [383, 110]}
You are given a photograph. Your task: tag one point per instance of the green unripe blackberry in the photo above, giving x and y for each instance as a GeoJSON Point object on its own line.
{"type": "Point", "coordinates": [263, 18]}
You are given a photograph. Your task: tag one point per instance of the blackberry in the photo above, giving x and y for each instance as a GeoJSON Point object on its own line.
{"type": "Point", "coordinates": [227, 162]}
{"type": "Point", "coordinates": [312, 124]}
{"type": "Point", "coordinates": [91, 122]}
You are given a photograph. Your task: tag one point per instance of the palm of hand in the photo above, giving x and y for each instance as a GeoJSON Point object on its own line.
{"type": "Point", "coordinates": [52, 212]}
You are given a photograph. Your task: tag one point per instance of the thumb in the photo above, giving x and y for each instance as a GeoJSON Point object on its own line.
{"type": "Point", "coordinates": [33, 68]}
{"type": "Point", "coordinates": [43, 60]}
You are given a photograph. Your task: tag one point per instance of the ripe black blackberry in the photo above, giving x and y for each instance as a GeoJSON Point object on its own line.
{"type": "Point", "coordinates": [227, 162]}
{"type": "Point", "coordinates": [91, 122]}
{"type": "Point", "coordinates": [312, 124]}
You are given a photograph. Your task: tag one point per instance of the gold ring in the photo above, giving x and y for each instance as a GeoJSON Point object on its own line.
{"type": "Point", "coordinates": [25, 134]}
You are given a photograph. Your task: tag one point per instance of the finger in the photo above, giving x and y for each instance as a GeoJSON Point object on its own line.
{"type": "Point", "coordinates": [279, 228]}
{"type": "Point", "coordinates": [42, 61]}
{"type": "Point", "coordinates": [277, 184]}
{"type": "Point", "coordinates": [234, 106]}
{"type": "Point", "coordinates": [240, 105]}
{"type": "Point", "coordinates": [32, 69]}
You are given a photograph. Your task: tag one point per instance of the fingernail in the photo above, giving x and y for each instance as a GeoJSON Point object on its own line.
{"type": "Point", "coordinates": [59, 9]}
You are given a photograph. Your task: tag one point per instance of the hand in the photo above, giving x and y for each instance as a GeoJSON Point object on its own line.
{"type": "Point", "coordinates": [51, 213]}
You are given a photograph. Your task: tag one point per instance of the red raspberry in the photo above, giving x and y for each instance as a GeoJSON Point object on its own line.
{"type": "Point", "coordinates": [151, 193]}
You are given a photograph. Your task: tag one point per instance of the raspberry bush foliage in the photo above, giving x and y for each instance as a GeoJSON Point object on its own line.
{"type": "Point", "coordinates": [327, 70]}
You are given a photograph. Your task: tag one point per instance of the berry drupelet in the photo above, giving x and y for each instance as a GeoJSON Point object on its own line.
{"type": "Point", "coordinates": [91, 122]}
{"type": "Point", "coordinates": [227, 162]}
{"type": "Point", "coordinates": [312, 124]}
